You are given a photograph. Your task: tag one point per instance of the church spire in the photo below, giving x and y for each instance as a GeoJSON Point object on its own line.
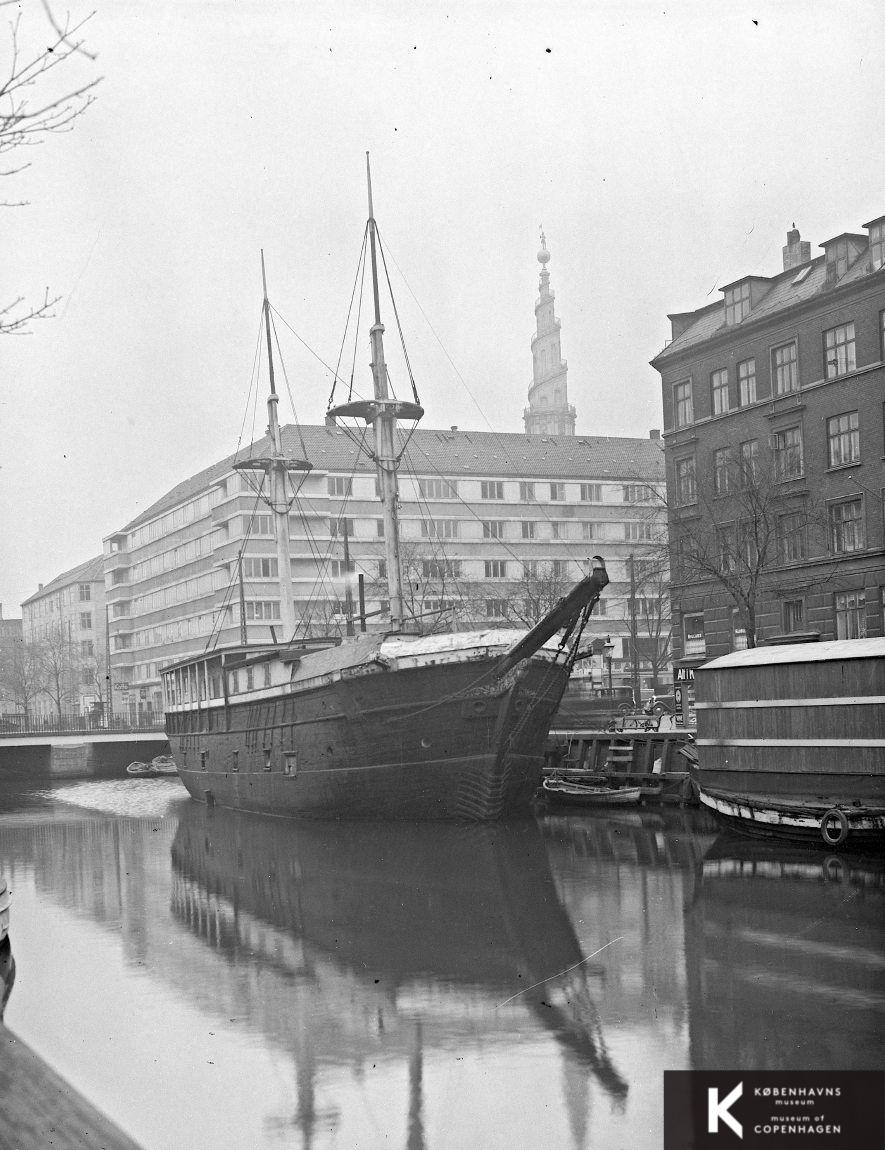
{"type": "Point", "coordinates": [549, 411]}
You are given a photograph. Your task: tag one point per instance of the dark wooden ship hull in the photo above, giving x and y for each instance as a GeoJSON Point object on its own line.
{"type": "Point", "coordinates": [439, 741]}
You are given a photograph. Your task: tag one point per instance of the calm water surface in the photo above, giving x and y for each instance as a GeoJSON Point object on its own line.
{"type": "Point", "coordinates": [215, 980]}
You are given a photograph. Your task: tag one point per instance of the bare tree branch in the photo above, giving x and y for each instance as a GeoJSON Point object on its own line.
{"type": "Point", "coordinates": [29, 112]}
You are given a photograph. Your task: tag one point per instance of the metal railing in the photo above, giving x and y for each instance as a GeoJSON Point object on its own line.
{"type": "Point", "coordinates": [12, 726]}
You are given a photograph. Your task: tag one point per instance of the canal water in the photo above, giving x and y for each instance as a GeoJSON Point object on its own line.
{"type": "Point", "coordinates": [217, 980]}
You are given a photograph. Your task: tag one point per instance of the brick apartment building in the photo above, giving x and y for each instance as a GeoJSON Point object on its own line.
{"type": "Point", "coordinates": [774, 402]}
{"type": "Point", "coordinates": [66, 618]}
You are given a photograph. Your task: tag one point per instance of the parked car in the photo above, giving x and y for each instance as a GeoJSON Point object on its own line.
{"type": "Point", "coordinates": [585, 706]}
{"type": "Point", "coordinates": [660, 704]}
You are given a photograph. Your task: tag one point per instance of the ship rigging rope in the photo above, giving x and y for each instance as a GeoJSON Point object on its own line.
{"type": "Point", "coordinates": [228, 594]}
{"type": "Point", "coordinates": [253, 382]}
{"type": "Point", "coordinates": [360, 267]}
{"type": "Point", "coordinates": [294, 411]}
{"type": "Point", "coordinates": [396, 317]}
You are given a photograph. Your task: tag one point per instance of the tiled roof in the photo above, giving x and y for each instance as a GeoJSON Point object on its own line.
{"type": "Point", "coordinates": [92, 571]}
{"type": "Point", "coordinates": [452, 453]}
{"type": "Point", "coordinates": [783, 294]}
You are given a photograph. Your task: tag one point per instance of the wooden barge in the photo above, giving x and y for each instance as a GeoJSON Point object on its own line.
{"type": "Point", "coordinates": [791, 740]}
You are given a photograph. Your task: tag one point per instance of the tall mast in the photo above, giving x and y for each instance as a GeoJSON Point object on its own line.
{"type": "Point", "coordinates": [382, 412]}
{"type": "Point", "coordinates": [276, 469]}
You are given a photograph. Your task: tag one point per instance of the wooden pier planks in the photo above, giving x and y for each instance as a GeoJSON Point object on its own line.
{"type": "Point", "coordinates": [40, 1109]}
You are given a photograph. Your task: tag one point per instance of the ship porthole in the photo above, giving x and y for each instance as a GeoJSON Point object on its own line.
{"type": "Point", "coordinates": [834, 827]}
{"type": "Point", "coordinates": [425, 743]}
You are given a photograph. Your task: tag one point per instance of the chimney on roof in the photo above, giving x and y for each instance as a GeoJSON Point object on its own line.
{"type": "Point", "coordinates": [330, 421]}
{"type": "Point", "coordinates": [39, 586]}
{"type": "Point", "coordinates": [454, 427]}
{"type": "Point", "coordinates": [655, 433]}
{"type": "Point", "coordinates": [797, 251]}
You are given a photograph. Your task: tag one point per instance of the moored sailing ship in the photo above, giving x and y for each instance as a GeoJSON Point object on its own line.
{"type": "Point", "coordinates": [439, 726]}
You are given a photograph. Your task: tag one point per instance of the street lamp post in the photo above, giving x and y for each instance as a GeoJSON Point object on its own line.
{"type": "Point", "coordinates": [608, 648]}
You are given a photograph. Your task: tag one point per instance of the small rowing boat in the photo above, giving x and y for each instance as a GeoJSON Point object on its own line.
{"type": "Point", "coordinates": [583, 794]}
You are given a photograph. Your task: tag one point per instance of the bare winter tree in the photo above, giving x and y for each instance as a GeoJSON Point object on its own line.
{"type": "Point", "coordinates": [60, 666]}
{"type": "Point", "coordinates": [21, 674]}
{"type": "Point", "coordinates": [35, 103]}
{"type": "Point", "coordinates": [537, 591]}
{"type": "Point", "coordinates": [741, 525]}
{"type": "Point", "coordinates": [647, 614]}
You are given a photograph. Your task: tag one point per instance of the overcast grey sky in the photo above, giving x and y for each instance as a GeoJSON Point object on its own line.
{"type": "Point", "coordinates": [665, 150]}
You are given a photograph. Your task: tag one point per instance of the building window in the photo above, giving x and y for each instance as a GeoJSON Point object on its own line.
{"type": "Point", "coordinates": [85, 620]}
{"type": "Point", "coordinates": [379, 528]}
{"type": "Point", "coordinates": [588, 530]}
{"type": "Point", "coordinates": [682, 405]}
{"type": "Point", "coordinates": [558, 529]}
{"type": "Point", "coordinates": [441, 568]}
{"type": "Point", "coordinates": [787, 445]}
{"type": "Point", "coordinates": [685, 481]}
{"type": "Point", "coordinates": [843, 439]}
{"type": "Point", "coordinates": [382, 568]}
{"type": "Point", "coordinates": [341, 485]}
{"type": "Point", "coordinates": [263, 568]}
{"type": "Point", "coordinates": [338, 568]}
{"type": "Point", "coordinates": [341, 527]}
{"type": "Point", "coordinates": [118, 610]}
{"type": "Point", "coordinates": [530, 569]}
{"type": "Point", "coordinates": [749, 461]}
{"type": "Point", "coordinates": [725, 549]}
{"type": "Point", "coordinates": [694, 640]}
{"type": "Point", "coordinates": [526, 492]}
{"type": "Point", "coordinates": [638, 493]}
{"type": "Point", "coordinates": [496, 608]}
{"type": "Point", "coordinates": [877, 244]}
{"type": "Point", "coordinates": [528, 529]}
{"type": "Point", "coordinates": [785, 368]}
{"type": "Point", "coordinates": [557, 492]}
{"type": "Point", "coordinates": [437, 488]}
{"type": "Point", "coordinates": [721, 471]}
{"type": "Point", "coordinates": [793, 615]}
{"type": "Point", "coordinates": [790, 537]}
{"type": "Point", "coordinates": [846, 526]}
{"type": "Point", "coordinates": [85, 592]}
{"type": "Point", "coordinates": [493, 529]}
{"type": "Point", "coordinates": [638, 532]}
{"type": "Point", "coordinates": [257, 525]}
{"type": "Point", "coordinates": [738, 632]}
{"type": "Point", "coordinates": [719, 391]}
{"type": "Point", "coordinates": [748, 547]}
{"type": "Point", "coordinates": [87, 647]}
{"type": "Point", "coordinates": [440, 528]}
{"type": "Point", "coordinates": [737, 303]}
{"type": "Point", "coordinates": [262, 609]}
{"type": "Point", "coordinates": [851, 620]}
{"type": "Point", "coordinates": [491, 489]}
{"type": "Point", "coordinates": [591, 492]}
{"type": "Point", "coordinates": [496, 569]}
{"type": "Point", "coordinates": [837, 260]}
{"type": "Point", "coordinates": [747, 381]}
{"type": "Point", "coordinates": [839, 356]}
{"type": "Point", "coordinates": [560, 569]}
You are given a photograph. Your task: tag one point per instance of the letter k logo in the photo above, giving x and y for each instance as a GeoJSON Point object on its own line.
{"type": "Point", "coordinates": [717, 1110]}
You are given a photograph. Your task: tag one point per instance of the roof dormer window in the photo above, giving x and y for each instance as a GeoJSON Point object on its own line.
{"type": "Point", "coordinates": [737, 302]}
{"type": "Point", "coordinates": [877, 244]}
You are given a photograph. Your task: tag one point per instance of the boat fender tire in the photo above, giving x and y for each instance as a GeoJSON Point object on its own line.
{"type": "Point", "coordinates": [835, 835]}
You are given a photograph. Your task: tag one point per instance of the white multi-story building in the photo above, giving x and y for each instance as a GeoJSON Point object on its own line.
{"type": "Point", "coordinates": [494, 528]}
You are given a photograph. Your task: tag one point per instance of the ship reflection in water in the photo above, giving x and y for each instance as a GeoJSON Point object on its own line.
{"type": "Point", "coordinates": [393, 941]}
{"type": "Point", "coordinates": [210, 978]}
